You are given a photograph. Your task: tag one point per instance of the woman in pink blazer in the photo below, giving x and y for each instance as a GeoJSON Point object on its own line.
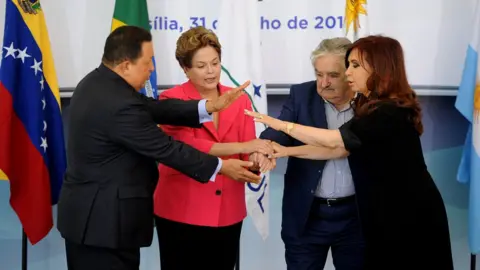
{"type": "Point", "coordinates": [199, 225]}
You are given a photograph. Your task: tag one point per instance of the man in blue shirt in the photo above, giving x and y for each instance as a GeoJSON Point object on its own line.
{"type": "Point", "coordinates": [319, 205]}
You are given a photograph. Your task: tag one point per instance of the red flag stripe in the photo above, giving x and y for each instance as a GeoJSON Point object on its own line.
{"type": "Point", "coordinates": [28, 174]}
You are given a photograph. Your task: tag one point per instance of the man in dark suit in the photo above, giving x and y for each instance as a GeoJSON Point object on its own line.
{"type": "Point", "coordinates": [105, 211]}
{"type": "Point", "coordinates": [319, 210]}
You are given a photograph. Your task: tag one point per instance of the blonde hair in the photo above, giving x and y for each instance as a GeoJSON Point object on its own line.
{"type": "Point", "coordinates": [331, 46]}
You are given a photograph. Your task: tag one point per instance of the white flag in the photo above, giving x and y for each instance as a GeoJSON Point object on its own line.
{"type": "Point", "coordinates": [356, 19]}
{"type": "Point", "coordinates": [239, 33]}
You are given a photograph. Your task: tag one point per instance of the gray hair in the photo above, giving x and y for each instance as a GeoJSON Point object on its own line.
{"type": "Point", "coordinates": [336, 46]}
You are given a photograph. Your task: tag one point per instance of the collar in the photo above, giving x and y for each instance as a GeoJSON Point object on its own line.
{"type": "Point", "coordinates": [112, 75]}
{"type": "Point", "coordinates": [348, 106]}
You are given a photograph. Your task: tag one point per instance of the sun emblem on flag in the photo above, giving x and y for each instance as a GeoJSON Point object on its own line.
{"type": "Point", "coordinates": [476, 103]}
{"type": "Point", "coordinates": [353, 9]}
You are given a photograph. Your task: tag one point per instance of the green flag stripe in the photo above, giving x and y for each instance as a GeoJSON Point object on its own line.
{"type": "Point", "coordinates": [237, 84]}
{"type": "Point", "coordinates": [132, 12]}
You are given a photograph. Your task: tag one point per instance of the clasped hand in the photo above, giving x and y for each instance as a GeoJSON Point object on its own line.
{"type": "Point", "coordinates": [263, 155]}
{"type": "Point", "coordinates": [268, 161]}
{"type": "Point", "coordinates": [262, 162]}
{"type": "Point", "coordinates": [244, 171]}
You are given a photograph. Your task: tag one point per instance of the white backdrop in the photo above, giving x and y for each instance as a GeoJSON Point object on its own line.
{"type": "Point", "coordinates": [434, 34]}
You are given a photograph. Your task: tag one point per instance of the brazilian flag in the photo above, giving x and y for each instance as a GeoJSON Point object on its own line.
{"type": "Point", "coordinates": [135, 12]}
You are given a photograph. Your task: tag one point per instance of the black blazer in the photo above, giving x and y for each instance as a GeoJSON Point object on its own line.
{"type": "Point", "coordinates": [112, 148]}
{"type": "Point", "coordinates": [303, 106]}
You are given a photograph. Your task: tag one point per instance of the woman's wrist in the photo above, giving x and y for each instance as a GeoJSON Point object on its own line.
{"type": "Point", "coordinates": [241, 147]}
{"type": "Point", "coordinates": [287, 127]}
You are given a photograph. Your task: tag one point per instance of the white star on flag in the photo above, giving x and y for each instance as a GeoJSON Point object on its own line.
{"type": "Point", "coordinates": [44, 144]}
{"type": "Point", "coordinates": [23, 54]}
{"type": "Point", "coordinates": [41, 83]}
{"type": "Point", "coordinates": [10, 51]}
{"type": "Point", "coordinates": [36, 66]}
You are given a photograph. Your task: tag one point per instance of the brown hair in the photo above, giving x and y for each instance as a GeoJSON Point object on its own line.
{"type": "Point", "coordinates": [193, 40]}
{"type": "Point", "coordinates": [388, 80]}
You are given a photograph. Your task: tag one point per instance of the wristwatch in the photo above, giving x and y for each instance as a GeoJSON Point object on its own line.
{"type": "Point", "coordinates": [289, 127]}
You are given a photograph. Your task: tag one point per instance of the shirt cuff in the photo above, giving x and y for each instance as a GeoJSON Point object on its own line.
{"type": "Point", "coordinates": [219, 166]}
{"type": "Point", "coordinates": [204, 116]}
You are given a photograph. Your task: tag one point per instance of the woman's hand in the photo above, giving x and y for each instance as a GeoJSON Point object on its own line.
{"type": "Point", "coordinates": [262, 163]}
{"type": "Point", "coordinates": [257, 145]}
{"type": "Point", "coordinates": [279, 150]}
{"type": "Point", "coordinates": [267, 120]}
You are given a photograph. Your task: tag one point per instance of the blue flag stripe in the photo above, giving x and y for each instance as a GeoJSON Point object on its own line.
{"type": "Point", "coordinates": [37, 108]}
{"type": "Point", "coordinates": [464, 101]}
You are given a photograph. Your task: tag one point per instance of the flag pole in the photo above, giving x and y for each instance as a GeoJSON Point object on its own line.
{"type": "Point", "coordinates": [473, 260]}
{"type": "Point", "coordinates": [24, 250]}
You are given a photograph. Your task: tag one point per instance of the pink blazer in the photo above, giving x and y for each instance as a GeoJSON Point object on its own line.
{"type": "Point", "coordinates": [221, 203]}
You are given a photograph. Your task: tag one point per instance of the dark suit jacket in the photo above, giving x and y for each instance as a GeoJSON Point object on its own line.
{"type": "Point", "coordinates": [113, 145]}
{"type": "Point", "coordinates": [304, 106]}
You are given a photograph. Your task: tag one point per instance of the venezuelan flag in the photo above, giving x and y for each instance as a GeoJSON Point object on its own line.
{"type": "Point", "coordinates": [135, 13]}
{"type": "Point", "coordinates": [32, 147]}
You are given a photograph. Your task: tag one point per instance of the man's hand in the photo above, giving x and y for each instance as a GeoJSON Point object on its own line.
{"type": "Point", "coordinates": [262, 162]}
{"type": "Point", "coordinates": [26, 6]}
{"type": "Point", "coordinates": [257, 145]}
{"type": "Point", "coordinates": [236, 170]}
{"type": "Point", "coordinates": [226, 99]}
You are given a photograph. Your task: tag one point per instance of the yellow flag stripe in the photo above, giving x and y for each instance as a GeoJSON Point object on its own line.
{"type": "Point", "coordinates": [38, 28]}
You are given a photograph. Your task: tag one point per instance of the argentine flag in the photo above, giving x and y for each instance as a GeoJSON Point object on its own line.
{"type": "Point", "coordinates": [356, 19]}
{"type": "Point", "coordinates": [468, 104]}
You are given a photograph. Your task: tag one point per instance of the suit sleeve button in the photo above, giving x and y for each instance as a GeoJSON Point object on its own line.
{"type": "Point", "coordinates": [218, 192]}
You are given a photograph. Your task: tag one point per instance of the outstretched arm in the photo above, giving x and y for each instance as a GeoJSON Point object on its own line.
{"type": "Point", "coordinates": [330, 138]}
{"type": "Point", "coordinates": [289, 114]}
{"type": "Point", "coordinates": [310, 152]}
{"type": "Point", "coordinates": [189, 113]}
